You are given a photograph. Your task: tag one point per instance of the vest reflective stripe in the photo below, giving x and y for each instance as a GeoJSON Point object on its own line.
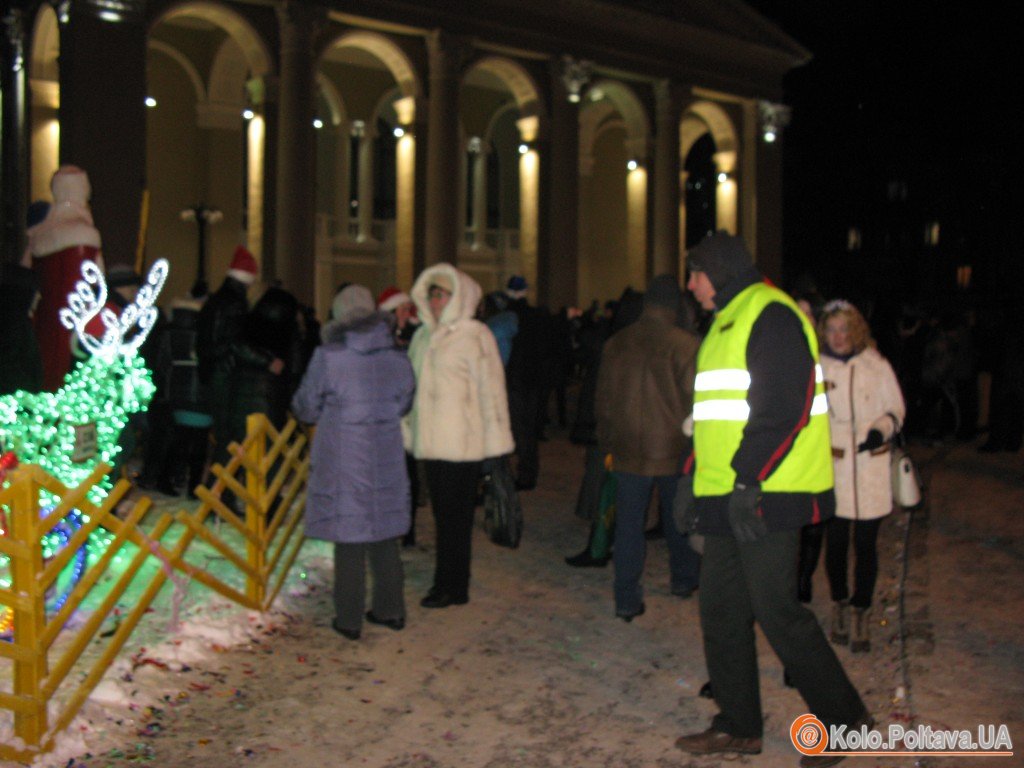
{"type": "Point", "coordinates": [721, 410]}
{"type": "Point", "coordinates": [819, 406]}
{"type": "Point", "coordinates": [733, 378]}
{"type": "Point", "coordinates": [724, 410]}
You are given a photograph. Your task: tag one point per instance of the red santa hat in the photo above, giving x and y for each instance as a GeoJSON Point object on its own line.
{"type": "Point", "coordinates": [243, 266]}
{"type": "Point", "coordinates": [391, 298]}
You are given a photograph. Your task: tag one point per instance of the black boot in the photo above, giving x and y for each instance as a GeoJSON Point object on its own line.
{"type": "Point", "coordinates": [585, 560]}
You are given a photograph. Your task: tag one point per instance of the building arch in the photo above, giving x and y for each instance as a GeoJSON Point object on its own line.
{"type": "Point", "coordinates": [706, 117]}
{"type": "Point", "coordinates": [254, 49]}
{"type": "Point", "coordinates": [389, 54]}
{"type": "Point", "coordinates": [518, 82]}
{"type": "Point", "coordinates": [625, 101]}
{"type": "Point", "coordinates": [198, 87]}
{"type": "Point", "coordinates": [201, 95]}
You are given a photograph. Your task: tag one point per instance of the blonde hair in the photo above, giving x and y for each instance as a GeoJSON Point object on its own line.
{"type": "Point", "coordinates": [860, 333]}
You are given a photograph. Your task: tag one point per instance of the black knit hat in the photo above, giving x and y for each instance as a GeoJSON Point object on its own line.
{"type": "Point", "coordinates": [664, 291]}
{"type": "Point", "coordinates": [721, 257]}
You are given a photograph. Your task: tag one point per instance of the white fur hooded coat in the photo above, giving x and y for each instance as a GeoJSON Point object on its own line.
{"type": "Point", "coordinates": [863, 394]}
{"type": "Point", "coordinates": [460, 412]}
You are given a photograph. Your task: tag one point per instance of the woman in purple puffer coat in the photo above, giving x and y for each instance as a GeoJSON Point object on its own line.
{"type": "Point", "coordinates": [356, 389]}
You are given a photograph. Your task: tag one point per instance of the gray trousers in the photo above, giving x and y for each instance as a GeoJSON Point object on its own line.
{"type": "Point", "coordinates": [744, 583]}
{"type": "Point", "coordinates": [388, 601]}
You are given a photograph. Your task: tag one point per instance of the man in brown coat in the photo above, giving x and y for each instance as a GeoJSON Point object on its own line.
{"type": "Point", "coordinates": [644, 392]}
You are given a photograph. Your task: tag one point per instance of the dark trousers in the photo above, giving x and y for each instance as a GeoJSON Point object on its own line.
{"type": "Point", "coordinates": [865, 553]}
{"type": "Point", "coordinates": [632, 497]}
{"type": "Point", "coordinates": [744, 583]}
{"type": "Point", "coordinates": [523, 405]}
{"type": "Point", "coordinates": [811, 538]}
{"type": "Point", "coordinates": [388, 600]}
{"type": "Point", "coordinates": [414, 492]}
{"type": "Point", "coordinates": [453, 490]}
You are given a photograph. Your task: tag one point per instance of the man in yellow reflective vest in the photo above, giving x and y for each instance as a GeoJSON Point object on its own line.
{"type": "Point", "coordinates": [761, 469]}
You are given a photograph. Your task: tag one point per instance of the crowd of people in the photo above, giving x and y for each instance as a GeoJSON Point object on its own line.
{"type": "Point", "coordinates": [761, 421]}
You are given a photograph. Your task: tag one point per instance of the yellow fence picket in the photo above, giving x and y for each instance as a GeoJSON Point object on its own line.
{"type": "Point", "coordinates": [262, 548]}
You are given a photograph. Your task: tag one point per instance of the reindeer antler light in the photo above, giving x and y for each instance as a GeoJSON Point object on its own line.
{"type": "Point", "coordinates": [88, 300]}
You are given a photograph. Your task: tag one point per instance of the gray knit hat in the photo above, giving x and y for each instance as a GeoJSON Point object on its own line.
{"type": "Point", "coordinates": [353, 303]}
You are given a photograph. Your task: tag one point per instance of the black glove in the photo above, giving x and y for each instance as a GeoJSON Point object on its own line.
{"type": "Point", "coordinates": [874, 440]}
{"type": "Point", "coordinates": [744, 516]}
{"type": "Point", "coordinates": [684, 506]}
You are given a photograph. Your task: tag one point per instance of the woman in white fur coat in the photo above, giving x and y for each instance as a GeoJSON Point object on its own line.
{"type": "Point", "coordinates": [459, 417]}
{"type": "Point", "coordinates": [866, 408]}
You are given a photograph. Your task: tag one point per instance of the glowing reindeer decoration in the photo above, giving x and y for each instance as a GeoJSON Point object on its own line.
{"type": "Point", "coordinates": [69, 431]}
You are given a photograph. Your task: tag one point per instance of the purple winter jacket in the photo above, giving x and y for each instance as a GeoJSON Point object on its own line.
{"type": "Point", "coordinates": [356, 389]}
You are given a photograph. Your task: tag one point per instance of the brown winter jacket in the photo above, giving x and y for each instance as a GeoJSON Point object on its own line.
{"type": "Point", "coordinates": [644, 392]}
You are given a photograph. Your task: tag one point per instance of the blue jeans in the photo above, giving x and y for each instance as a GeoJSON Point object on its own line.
{"type": "Point", "coordinates": [631, 501]}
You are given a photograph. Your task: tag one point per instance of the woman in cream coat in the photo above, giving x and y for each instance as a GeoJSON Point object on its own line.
{"type": "Point", "coordinates": [459, 417]}
{"type": "Point", "coordinates": [866, 410]}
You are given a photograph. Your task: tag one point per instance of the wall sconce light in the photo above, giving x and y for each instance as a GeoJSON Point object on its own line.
{"type": "Point", "coordinates": [474, 145]}
{"type": "Point", "coordinates": [150, 102]}
{"type": "Point", "coordinates": [632, 164]}
{"type": "Point", "coordinates": [248, 114]}
{"type": "Point", "coordinates": [523, 149]}
{"type": "Point", "coordinates": [774, 117]}
{"type": "Point", "coordinates": [724, 177]}
{"type": "Point", "coordinates": [318, 123]}
{"type": "Point", "coordinates": [399, 131]}
{"type": "Point", "coordinates": [357, 129]}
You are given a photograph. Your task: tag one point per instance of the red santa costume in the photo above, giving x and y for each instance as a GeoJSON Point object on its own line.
{"type": "Point", "coordinates": [59, 244]}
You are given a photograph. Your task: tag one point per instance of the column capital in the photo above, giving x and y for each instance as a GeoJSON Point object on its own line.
{"type": "Point", "coordinates": [448, 53]}
{"type": "Point", "coordinates": [297, 16]}
{"type": "Point", "coordinates": [670, 95]}
{"type": "Point", "coordinates": [14, 36]}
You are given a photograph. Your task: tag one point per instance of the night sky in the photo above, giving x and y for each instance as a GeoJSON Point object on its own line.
{"type": "Point", "coordinates": [927, 94]}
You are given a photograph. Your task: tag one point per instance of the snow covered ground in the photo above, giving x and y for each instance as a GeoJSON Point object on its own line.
{"type": "Point", "coordinates": [535, 671]}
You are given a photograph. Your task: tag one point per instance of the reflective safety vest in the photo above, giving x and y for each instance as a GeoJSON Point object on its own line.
{"type": "Point", "coordinates": [721, 410]}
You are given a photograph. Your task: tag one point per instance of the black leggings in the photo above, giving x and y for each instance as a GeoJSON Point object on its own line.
{"type": "Point", "coordinates": [865, 552]}
{"type": "Point", "coordinates": [453, 488]}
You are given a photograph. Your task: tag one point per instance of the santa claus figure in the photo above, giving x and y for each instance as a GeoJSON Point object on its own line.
{"type": "Point", "coordinates": [59, 244]}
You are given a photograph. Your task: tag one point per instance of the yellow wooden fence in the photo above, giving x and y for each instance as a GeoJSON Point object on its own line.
{"type": "Point", "coordinates": [274, 466]}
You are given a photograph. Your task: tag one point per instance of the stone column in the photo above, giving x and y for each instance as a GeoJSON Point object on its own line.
{"type": "Point", "coordinates": [442, 183]}
{"type": "Point", "coordinates": [558, 259]}
{"type": "Point", "coordinates": [342, 209]}
{"type": "Point", "coordinates": [103, 115]}
{"type": "Point", "coordinates": [14, 150]}
{"type": "Point", "coordinates": [365, 178]}
{"type": "Point", "coordinates": [296, 151]}
{"type": "Point", "coordinates": [668, 111]}
{"type": "Point", "coordinates": [479, 158]}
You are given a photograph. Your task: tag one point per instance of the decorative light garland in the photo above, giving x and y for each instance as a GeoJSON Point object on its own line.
{"type": "Point", "coordinates": [70, 431]}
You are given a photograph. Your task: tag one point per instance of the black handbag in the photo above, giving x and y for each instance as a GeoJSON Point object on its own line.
{"type": "Point", "coordinates": [503, 514]}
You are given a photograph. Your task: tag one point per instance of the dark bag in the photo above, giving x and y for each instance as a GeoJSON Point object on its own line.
{"type": "Point", "coordinates": [503, 514]}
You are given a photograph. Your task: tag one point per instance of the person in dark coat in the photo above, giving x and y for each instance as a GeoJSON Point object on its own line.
{"type": "Point", "coordinates": [219, 330]}
{"type": "Point", "coordinates": [271, 333]}
{"type": "Point", "coordinates": [524, 378]}
{"type": "Point", "coordinates": [356, 389]}
{"type": "Point", "coordinates": [189, 404]}
{"type": "Point", "coordinates": [22, 367]}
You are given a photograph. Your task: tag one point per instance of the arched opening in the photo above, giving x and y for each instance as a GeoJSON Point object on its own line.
{"type": "Point", "coordinates": [709, 154]}
{"type": "Point", "coordinates": [501, 113]}
{"type": "Point", "coordinates": [205, 70]}
{"type": "Point", "coordinates": [366, 159]}
{"type": "Point", "coordinates": [614, 153]}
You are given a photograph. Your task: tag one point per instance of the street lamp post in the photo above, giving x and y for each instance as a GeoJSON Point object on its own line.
{"type": "Point", "coordinates": [202, 216]}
